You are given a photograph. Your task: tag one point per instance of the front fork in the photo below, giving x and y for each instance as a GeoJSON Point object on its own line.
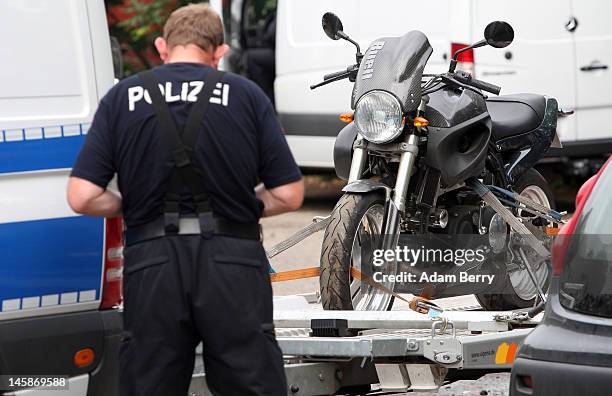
{"type": "Point", "coordinates": [397, 204]}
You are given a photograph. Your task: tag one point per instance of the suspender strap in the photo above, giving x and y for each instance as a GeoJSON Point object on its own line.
{"type": "Point", "coordinates": [181, 148]}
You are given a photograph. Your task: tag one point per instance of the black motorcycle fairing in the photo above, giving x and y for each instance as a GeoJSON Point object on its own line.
{"type": "Point", "coordinates": [515, 114]}
{"type": "Point", "coordinates": [395, 65]}
{"type": "Point", "coordinates": [343, 150]}
{"type": "Point", "coordinates": [460, 151]}
{"type": "Point", "coordinates": [522, 151]}
{"type": "Point", "coordinates": [459, 132]}
{"type": "Point", "coordinates": [451, 106]}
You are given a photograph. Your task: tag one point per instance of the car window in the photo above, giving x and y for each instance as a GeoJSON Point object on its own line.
{"type": "Point", "coordinates": [586, 280]}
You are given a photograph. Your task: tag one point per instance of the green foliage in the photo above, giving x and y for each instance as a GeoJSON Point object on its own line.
{"type": "Point", "coordinates": [137, 33]}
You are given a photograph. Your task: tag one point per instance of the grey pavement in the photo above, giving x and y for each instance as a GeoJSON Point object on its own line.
{"type": "Point", "coordinates": [303, 255]}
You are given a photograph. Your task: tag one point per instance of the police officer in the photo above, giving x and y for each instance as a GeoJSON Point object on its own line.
{"type": "Point", "coordinates": [189, 145]}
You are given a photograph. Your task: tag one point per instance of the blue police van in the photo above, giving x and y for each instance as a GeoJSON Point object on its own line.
{"type": "Point", "coordinates": [60, 273]}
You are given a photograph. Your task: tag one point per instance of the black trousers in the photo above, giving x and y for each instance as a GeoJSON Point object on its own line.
{"type": "Point", "coordinates": [181, 290]}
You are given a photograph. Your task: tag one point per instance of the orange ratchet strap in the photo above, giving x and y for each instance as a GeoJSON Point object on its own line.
{"type": "Point", "coordinates": [295, 274]}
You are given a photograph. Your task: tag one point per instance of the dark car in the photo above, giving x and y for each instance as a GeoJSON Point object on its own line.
{"type": "Point", "coordinates": [570, 352]}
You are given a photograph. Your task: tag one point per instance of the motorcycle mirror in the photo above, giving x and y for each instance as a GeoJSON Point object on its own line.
{"type": "Point", "coordinates": [499, 34]}
{"type": "Point", "coordinates": [332, 25]}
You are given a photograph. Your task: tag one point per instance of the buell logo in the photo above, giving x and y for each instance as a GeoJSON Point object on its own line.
{"type": "Point", "coordinates": [368, 70]}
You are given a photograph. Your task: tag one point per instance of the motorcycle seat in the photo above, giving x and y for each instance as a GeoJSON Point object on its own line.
{"type": "Point", "coordinates": [515, 114]}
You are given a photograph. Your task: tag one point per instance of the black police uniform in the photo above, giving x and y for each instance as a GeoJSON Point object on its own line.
{"type": "Point", "coordinates": [188, 156]}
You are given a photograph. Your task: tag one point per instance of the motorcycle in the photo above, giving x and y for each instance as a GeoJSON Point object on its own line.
{"type": "Point", "coordinates": [431, 154]}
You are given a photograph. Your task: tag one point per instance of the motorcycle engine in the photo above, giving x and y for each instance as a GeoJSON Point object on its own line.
{"type": "Point", "coordinates": [473, 219]}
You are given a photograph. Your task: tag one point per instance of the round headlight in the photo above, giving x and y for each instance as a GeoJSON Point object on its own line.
{"type": "Point", "coordinates": [378, 116]}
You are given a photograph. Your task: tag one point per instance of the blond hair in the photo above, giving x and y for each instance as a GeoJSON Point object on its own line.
{"type": "Point", "coordinates": [195, 24]}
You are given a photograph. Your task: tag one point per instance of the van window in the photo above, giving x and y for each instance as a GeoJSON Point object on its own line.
{"type": "Point", "coordinates": [586, 280]}
{"type": "Point", "coordinates": [47, 70]}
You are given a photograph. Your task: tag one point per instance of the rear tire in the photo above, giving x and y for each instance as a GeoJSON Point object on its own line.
{"type": "Point", "coordinates": [533, 185]}
{"type": "Point", "coordinates": [336, 282]}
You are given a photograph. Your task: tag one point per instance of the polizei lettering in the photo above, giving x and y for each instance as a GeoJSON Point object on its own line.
{"type": "Point", "coordinates": [368, 70]}
{"type": "Point", "coordinates": [187, 91]}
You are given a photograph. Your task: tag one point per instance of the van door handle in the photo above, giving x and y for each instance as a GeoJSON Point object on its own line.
{"type": "Point", "coordinates": [571, 24]}
{"type": "Point", "coordinates": [594, 66]}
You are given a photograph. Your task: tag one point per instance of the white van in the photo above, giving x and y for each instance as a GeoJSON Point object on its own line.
{"type": "Point", "coordinates": [60, 274]}
{"type": "Point", "coordinates": [562, 48]}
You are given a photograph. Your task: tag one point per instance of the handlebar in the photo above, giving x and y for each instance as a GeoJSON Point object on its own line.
{"type": "Point", "coordinates": [467, 79]}
{"type": "Point", "coordinates": [485, 86]}
{"type": "Point", "coordinates": [458, 78]}
{"type": "Point", "coordinates": [333, 75]}
{"type": "Point", "coordinates": [350, 73]}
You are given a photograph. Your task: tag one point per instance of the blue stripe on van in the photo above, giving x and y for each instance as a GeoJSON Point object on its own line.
{"type": "Point", "coordinates": [50, 257]}
{"type": "Point", "coordinates": [32, 155]}
{"type": "Point", "coordinates": [40, 148]}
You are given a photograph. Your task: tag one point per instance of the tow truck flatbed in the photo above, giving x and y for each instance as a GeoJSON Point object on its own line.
{"type": "Point", "coordinates": [392, 351]}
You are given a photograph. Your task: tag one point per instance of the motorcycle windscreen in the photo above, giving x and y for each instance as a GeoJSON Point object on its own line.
{"type": "Point", "coordinates": [395, 65]}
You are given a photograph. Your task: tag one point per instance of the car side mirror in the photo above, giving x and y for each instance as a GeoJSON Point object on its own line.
{"type": "Point", "coordinates": [332, 26]}
{"type": "Point", "coordinates": [499, 34]}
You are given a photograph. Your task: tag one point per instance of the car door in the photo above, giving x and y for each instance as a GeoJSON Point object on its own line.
{"type": "Point", "coordinates": [51, 259]}
{"type": "Point", "coordinates": [592, 32]}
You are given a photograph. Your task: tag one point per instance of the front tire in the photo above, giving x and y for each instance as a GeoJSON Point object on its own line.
{"type": "Point", "coordinates": [518, 289]}
{"type": "Point", "coordinates": [355, 218]}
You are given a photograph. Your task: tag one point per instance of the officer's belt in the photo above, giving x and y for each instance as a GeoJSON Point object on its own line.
{"type": "Point", "coordinates": [191, 226]}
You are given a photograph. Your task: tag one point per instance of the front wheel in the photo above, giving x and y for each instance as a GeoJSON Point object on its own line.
{"type": "Point", "coordinates": [354, 229]}
{"type": "Point", "coordinates": [519, 290]}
